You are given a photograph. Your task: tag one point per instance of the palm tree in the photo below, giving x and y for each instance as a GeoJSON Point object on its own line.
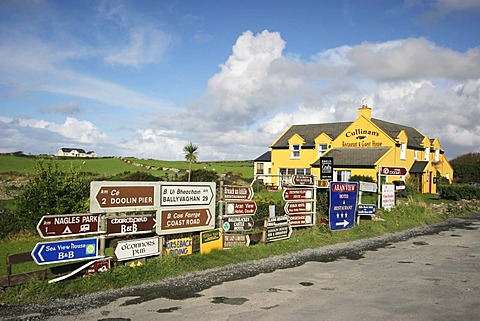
{"type": "Point", "coordinates": [190, 151]}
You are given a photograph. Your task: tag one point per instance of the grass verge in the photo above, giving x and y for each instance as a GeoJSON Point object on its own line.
{"type": "Point", "coordinates": [399, 219]}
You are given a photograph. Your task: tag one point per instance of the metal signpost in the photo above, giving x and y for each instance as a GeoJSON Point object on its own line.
{"type": "Point", "coordinates": [277, 228]}
{"type": "Point", "coordinates": [366, 210]}
{"type": "Point", "coordinates": [131, 224]}
{"type": "Point", "coordinates": [343, 201]}
{"type": "Point", "coordinates": [238, 223]}
{"type": "Point", "coordinates": [237, 192]}
{"type": "Point", "coordinates": [122, 196]}
{"type": "Point", "coordinates": [388, 196]}
{"type": "Point", "coordinates": [66, 251]}
{"type": "Point", "coordinates": [301, 213]}
{"type": "Point", "coordinates": [295, 194]}
{"type": "Point", "coordinates": [389, 171]}
{"type": "Point", "coordinates": [241, 208]}
{"type": "Point", "coordinates": [231, 240]}
{"type": "Point", "coordinates": [186, 207]}
{"type": "Point", "coordinates": [300, 202]}
{"type": "Point", "coordinates": [54, 226]}
{"type": "Point", "coordinates": [303, 180]}
{"type": "Point", "coordinates": [187, 194]}
{"type": "Point", "coordinates": [298, 207]}
{"type": "Point", "coordinates": [175, 221]}
{"type": "Point", "coordinates": [136, 249]}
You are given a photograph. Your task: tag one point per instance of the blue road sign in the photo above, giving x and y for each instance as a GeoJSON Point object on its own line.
{"type": "Point", "coordinates": [66, 251]}
{"type": "Point", "coordinates": [343, 201]}
{"type": "Point", "coordinates": [367, 209]}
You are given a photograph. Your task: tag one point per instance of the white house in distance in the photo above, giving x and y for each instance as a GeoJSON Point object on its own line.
{"type": "Point", "coordinates": [75, 152]}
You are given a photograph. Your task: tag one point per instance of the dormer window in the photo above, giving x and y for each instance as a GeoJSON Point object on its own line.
{"type": "Point", "coordinates": [322, 148]}
{"type": "Point", "coordinates": [295, 151]}
{"type": "Point", "coordinates": [427, 154]}
{"type": "Point", "coordinates": [403, 151]}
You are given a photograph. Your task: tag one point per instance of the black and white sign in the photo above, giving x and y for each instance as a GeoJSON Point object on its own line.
{"type": "Point", "coordinates": [326, 168]}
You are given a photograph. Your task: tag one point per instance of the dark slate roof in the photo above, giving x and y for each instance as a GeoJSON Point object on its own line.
{"type": "Point", "coordinates": [265, 157]}
{"type": "Point", "coordinates": [67, 150]}
{"type": "Point", "coordinates": [354, 157]}
{"type": "Point", "coordinates": [414, 136]}
{"type": "Point", "coordinates": [310, 132]}
{"type": "Point", "coordinates": [418, 167]}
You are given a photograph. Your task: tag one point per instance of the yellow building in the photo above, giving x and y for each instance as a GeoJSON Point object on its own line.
{"type": "Point", "coordinates": [358, 148]}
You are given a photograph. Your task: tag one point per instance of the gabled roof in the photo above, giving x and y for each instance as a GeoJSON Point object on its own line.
{"type": "Point", "coordinates": [391, 129]}
{"type": "Point", "coordinates": [68, 150]}
{"type": "Point", "coordinates": [355, 157]}
{"type": "Point", "coordinates": [265, 157]}
{"type": "Point", "coordinates": [310, 132]}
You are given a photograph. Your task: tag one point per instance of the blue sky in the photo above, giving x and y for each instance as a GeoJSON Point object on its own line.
{"type": "Point", "coordinates": [144, 78]}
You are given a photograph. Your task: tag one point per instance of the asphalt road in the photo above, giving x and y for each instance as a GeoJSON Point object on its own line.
{"type": "Point", "coordinates": [428, 273]}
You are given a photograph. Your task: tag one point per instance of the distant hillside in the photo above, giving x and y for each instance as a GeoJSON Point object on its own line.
{"type": "Point", "coordinates": [23, 165]}
{"type": "Point", "coordinates": [466, 168]}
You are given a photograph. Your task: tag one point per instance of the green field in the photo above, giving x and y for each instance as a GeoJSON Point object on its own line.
{"type": "Point", "coordinates": [11, 165]}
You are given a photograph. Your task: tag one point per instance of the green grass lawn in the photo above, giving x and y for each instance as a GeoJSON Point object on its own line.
{"type": "Point", "coordinates": [11, 165]}
{"type": "Point", "coordinates": [399, 219]}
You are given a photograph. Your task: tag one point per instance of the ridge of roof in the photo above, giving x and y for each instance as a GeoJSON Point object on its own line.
{"type": "Point", "coordinates": [355, 156]}
{"type": "Point", "coordinates": [415, 137]}
{"type": "Point", "coordinates": [311, 131]}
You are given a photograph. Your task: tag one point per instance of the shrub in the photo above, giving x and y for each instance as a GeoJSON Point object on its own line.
{"type": "Point", "coordinates": [8, 222]}
{"type": "Point", "coordinates": [458, 192]}
{"type": "Point", "coordinates": [200, 175]}
{"type": "Point", "coordinates": [51, 191]}
{"type": "Point", "coordinates": [361, 178]}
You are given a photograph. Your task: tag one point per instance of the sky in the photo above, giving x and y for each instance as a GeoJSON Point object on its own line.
{"type": "Point", "coordinates": [145, 78]}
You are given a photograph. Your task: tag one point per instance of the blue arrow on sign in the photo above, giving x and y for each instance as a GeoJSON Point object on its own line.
{"type": "Point", "coordinates": [65, 251]}
{"type": "Point", "coordinates": [343, 201]}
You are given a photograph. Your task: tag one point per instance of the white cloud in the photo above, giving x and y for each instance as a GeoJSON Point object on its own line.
{"type": "Point", "coordinates": [72, 130]}
{"type": "Point", "coordinates": [238, 90]}
{"type": "Point", "coordinates": [259, 92]}
{"type": "Point", "coordinates": [146, 46]}
{"type": "Point", "coordinates": [413, 59]}
{"type": "Point", "coordinates": [79, 130]}
{"type": "Point", "coordinates": [154, 143]}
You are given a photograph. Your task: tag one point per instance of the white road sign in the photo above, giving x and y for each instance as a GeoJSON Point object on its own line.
{"type": "Point", "coordinates": [189, 194]}
{"type": "Point", "coordinates": [135, 249]}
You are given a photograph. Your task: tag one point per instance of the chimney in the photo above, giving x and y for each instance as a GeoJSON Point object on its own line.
{"type": "Point", "coordinates": [365, 111]}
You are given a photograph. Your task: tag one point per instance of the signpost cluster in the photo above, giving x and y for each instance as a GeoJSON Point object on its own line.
{"type": "Point", "coordinates": [276, 228]}
{"type": "Point", "coordinates": [387, 198]}
{"type": "Point", "coordinates": [300, 201]}
{"type": "Point", "coordinates": [174, 210]}
{"type": "Point", "coordinates": [115, 206]}
{"type": "Point", "coordinates": [238, 215]}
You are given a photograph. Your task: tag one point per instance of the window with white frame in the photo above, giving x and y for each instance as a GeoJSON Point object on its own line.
{"type": "Point", "coordinates": [322, 148]}
{"type": "Point", "coordinates": [415, 154]}
{"type": "Point", "coordinates": [403, 151]}
{"type": "Point", "coordinates": [437, 155]}
{"type": "Point", "coordinates": [342, 175]}
{"type": "Point", "coordinates": [260, 168]}
{"type": "Point", "coordinates": [302, 171]}
{"type": "Point", "coordinates": [427, 154]}
{"type": "Point", "coordinates": [295, 151]}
